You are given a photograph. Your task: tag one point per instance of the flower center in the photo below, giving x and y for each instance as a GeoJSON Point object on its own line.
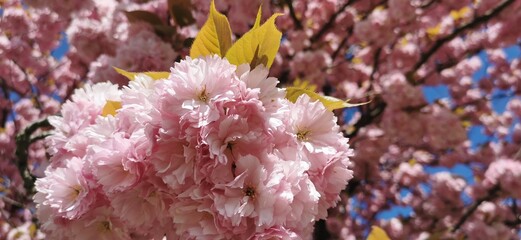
{"type": "Point", "coordinates": [76, 190]}
{"type": "Point", "coordinates": [249, 191]}
{"type": "Point", "coordinates": [105, 226]}
{"type": "Point", "coordinates": [302, 135]}
{"type": "Point", "coordinates": [203, 96]}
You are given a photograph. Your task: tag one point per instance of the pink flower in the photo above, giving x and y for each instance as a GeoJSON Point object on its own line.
{"type": "Point", "coordinates": [101, 224]}
{"type": "Point", "coordinates": [195, 84]}
{"type": "Point", "coordinates": [143, 209]}
{"type": "Point", "coordinates": [505, 173]}
{"type": "Point", "coordinates": [409, 174]}
{"type": "Point", "coordinates": [398, 93]}
{"type": "Point", "coordinates": [277, 232]}
{"type": "Point", "coordinates": [81, 111]}
{"type": "Point", "coordinates": [65, 190]}
{"type": "Point", "coordinates": [115, 163]}
{"type": "Point", "coordinates": [244, 196]}
{"type": "Point", "coordinates": [258, 78]}
{"type": "Point", "coordinates": [313, 126]}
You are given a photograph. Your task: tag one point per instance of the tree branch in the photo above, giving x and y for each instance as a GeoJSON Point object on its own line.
{"type": "Point", "coordinates": [476, 22]}
{"type": "Point", "coordinates": [341, 45]}
{"type": "Point", "coordinates": [330, 22]}
{"type": "Point", "coordinates": [5, 94]}
{"type": "Point", "coordinates": [367, 118]}
{"type": "Point", "coordinates": [23, 141]}
{"type": "Point", "coordinates": [376, 59]}
{"type": "Point", "coordinates": [296, 21]}
{"type": "Point", "coordinates": [491, 194]}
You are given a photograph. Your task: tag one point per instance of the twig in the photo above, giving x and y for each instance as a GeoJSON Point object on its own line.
{"type": "Point", "coordinates": [330, 22]}
{"type": "Point", "coordinates": [340, 46]}
{"type": "Point", "coordinates": [296, 21]}
{"type": "Point", "coordinates": [376, 59]}
{"type": "Point", "coordinates": [367, 117]}
{"type": "Point", "coordinates": [23, 141]}
{"type": "Point", "coordinates": [517, 219]}
{"type": "Point", "coordinates": [440, 42]}
{"type": "Point", "coordinates": [428, 4]}
{"type": "Point", "coordinates": [11, 201]}
{"type": "Point", "coordinates": [38, 138]}
{"type": "Point", "coordinates": [448, 64]}
{"type": "Point", "coordinates": [491, 194]}
{"type": "Point", "coordinates": [5, 110]}
{"type": "Point", "coordinates": [321, 231]}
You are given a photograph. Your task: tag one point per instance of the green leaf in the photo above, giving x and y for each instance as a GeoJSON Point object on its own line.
{"type": "Point", "coordinates": [143, 16]}
{"type": "Point", "coordinates": [215, 36]}
{"type": "Point", "coordinates": [258, 46]}
{"type": "Point", "coordinates": [181, 11]}
{"type": "Point", "coordinates": [132, 75]}
{"type": "Point", "coordinates": [377, 234]}
{"type": "Point", "coordinates": [331, 103]}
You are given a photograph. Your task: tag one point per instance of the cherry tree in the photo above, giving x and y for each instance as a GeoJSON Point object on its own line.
{"type": "Point", "coordinates": [381, 53]}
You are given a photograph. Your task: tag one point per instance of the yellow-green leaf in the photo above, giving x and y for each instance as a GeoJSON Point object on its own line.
{"type": "Point", "coordinates": [258, 46]}
{"type": "Point", "coordinates": [132, 75]}
{"type": "Point", "coordinates": [258, 18]}
{"type": "Point", "coordinates": [298, 83]}
{"type": "Point", "coordinates": [32, 230]}
{"type": "Point", "coordinates": [110, 108]}
{"type": "Point", "coordinates": [215, 36]}
{"type": "Point", "coordinates": [377, 234]}
{"type": "Point", "coordinates": [331, 103]}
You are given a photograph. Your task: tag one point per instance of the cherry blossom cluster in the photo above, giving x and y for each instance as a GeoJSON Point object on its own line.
{"type": "Point", "coordinates": [214, 151]}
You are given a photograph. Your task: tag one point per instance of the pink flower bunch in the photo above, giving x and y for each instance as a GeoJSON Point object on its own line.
{"type": "Point", "coordinates": [214, 151]}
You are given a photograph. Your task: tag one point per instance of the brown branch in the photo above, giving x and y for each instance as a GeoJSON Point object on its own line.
{"type": "Point", "coordinates": [342, 43]}
{"type": "Point", "coordinates": [440, 42]}
{"type": "Point", "coordinates": [5, 110]}
{"type": "Point", "coordinates": [340, 46]}
{"type": "Point", "coordinates": [491, 194]}
{"type": "Point", "coordinates": [448, 64]}
{"type": "Point", "coordinates": [428, 4]}
{"type": "Point", "coordinates": [517, 216]}
{"type": "Point", "coordinates": [293, 15]}
{"type": "Point", "coordinates": [376, 61]}
{"type": "Point", "coordinates": [368, 117]}
{"type": "Point", "coordinates": [330, 22]}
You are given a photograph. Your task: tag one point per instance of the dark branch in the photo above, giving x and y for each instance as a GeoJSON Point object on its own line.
{"type": "Point", "coordinates": [367, 117]}
{"type": "Point", "coordinates": [427, 5]}
{"type": "Point", "coordinates": [321, 231]}
{"type": "Point", "coordinates": [330, 22]}
{"type": "Point", "coordinates": [293, 15]}
{"type": "Point", "coordinates": [340, 46]}
{"type": "Point", "coordinates": [376, 59]}
{"type": "Point", "coordinates": [38, 138]}
{"type": "Point", "coordinates": [23, 141]}
{"type": "Point", "coordinates": [476, 22]}
{"type": "Point", "coordinates": [6, 109]}
{"type": "Point", "coordinates": [491, 195]}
